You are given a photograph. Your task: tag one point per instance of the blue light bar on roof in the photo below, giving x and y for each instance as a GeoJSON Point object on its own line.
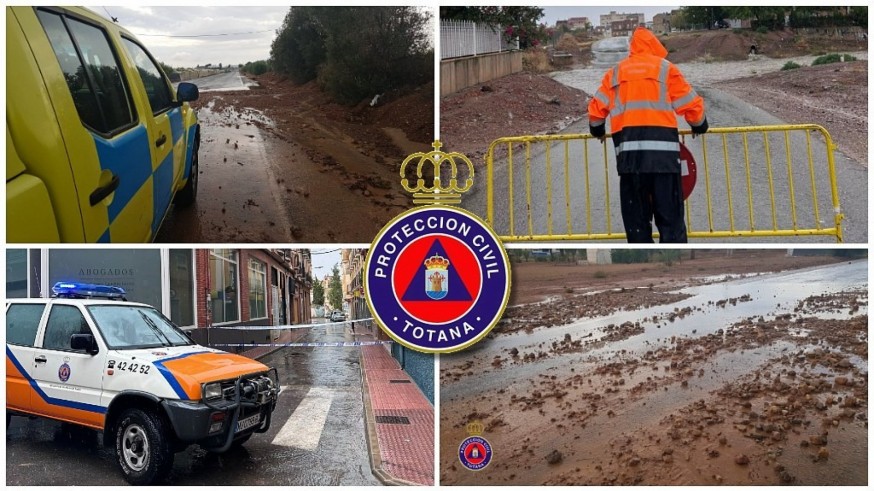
{"type": "Point", "coordinates": [86, 290]}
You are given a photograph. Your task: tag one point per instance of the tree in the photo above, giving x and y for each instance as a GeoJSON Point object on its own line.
{"type": "Point", "coordinates": [167, 69]}
{"type": "Point", "coordinates": [702, 16]}
{"type": "Point", "coordinates": [355, 52]}
{"type": "Point", "coordinates": [318, 293]}
{"type": "Point", "coordinates": [335, 289]}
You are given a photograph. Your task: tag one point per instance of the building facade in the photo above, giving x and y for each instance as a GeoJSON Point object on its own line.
{"type": "Point", "coordinates": [197, 289]}
{"type": "Point", "coordinates": [613, 16]}
{"type": "Point", "coordinates": [352, 261]}
{"type": "Point", "coordinates": [623, 27]}
{"type": "Point", "coordinates": [661, 23]}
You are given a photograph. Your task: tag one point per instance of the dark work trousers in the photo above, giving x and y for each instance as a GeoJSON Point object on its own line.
{"type": "Point", "coordinates": [652, 195]}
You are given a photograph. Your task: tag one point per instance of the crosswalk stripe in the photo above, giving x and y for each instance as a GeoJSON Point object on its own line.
{"type": "Point", "coordinates": [304, 428]}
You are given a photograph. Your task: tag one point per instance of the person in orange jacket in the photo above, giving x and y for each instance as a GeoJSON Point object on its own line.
{"type": "Point", "coordinates": [640, 96]}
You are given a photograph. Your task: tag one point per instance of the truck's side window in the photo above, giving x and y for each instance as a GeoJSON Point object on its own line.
{"type": "Point", "coordinates": [91, 71]}
{"type": "Point", "coordinates": [22, 322]}
{"type": "Point", "coordinates": [156, 86]}
{"type": "Point", "coordinates": [64, 321]}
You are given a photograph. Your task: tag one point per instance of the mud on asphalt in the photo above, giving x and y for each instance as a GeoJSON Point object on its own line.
{"type": "Point", "coordinates": [779, 398]}
{"type": "Point", "coordinates": [334, 168]}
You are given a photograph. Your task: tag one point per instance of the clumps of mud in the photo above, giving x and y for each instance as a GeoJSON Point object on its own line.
{"type": "Point", "coordinates": [578, 306]}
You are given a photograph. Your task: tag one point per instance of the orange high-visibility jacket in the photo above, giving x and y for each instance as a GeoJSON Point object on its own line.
{"type": "Point", "coordinates": [641, 95]}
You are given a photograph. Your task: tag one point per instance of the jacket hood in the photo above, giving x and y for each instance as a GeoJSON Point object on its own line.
{"type": "Point", "coordinates": [644, 42]}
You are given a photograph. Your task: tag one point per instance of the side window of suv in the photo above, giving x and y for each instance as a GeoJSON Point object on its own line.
{"type": "Point", "coordinates": [22, 322]}
{"type": "Point", "coordinates": [153, 79]}
{"type": "Point", "coordinates": [64, 321]}
{"type": "Point", "coordinates": [91, 71]}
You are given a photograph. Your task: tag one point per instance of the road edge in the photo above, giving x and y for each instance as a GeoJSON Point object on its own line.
{"type": "Point", "coordinates": [370, 434]}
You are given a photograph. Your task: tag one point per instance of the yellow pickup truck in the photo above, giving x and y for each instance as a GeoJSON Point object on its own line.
{"type": "Point", "coordinates": [98, 142]}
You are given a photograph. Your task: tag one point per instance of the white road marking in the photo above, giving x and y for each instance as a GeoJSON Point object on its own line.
{"type": "Point", "coordinates": [304, 428]}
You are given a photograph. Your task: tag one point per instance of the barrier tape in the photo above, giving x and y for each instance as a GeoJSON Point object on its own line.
{"type": "Point", "coordinates": [332, 344]}
{"type": "Point", "coordinates": [295, 326]}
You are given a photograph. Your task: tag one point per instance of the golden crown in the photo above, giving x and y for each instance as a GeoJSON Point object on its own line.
{"type": "Point", "coordinates": [475, 428]}
{"type": "Point", "coordinates": [436, 192]}
{"type": "Point", "coordinates": [436, 262]}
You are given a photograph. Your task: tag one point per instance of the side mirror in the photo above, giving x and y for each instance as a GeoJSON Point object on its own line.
{"type": "Point", "coordinates": [84, 342]}
{"type": "Point", "coordinates": [187, 92]}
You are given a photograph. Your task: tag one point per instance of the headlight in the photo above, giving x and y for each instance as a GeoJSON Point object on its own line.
{"type": "Point", "coordinates": [212, 390]}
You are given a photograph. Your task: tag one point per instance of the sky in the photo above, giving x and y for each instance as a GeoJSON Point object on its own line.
{"type": "Point", "coordinates": [326, 261]}
{"type": "Point", "coordinates": [552, 14]}
{"type": "Point", "coordinates": [151, 25]}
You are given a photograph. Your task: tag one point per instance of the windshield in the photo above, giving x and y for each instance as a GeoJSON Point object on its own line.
{"type": "Point", "coordinates": [130, 327]}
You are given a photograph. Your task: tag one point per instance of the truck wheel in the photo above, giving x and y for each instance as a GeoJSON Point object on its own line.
{"type": "Point", "coordinates": [188, 193]}
{"type": "Point", "coordinates": [142, 446]}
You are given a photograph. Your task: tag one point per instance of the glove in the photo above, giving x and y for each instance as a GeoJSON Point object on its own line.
{"type": "Point", "coordinates": [700, 129]}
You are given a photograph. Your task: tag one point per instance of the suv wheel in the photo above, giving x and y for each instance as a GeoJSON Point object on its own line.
{"type": "Point", "coordinates": [188, 193]}
{"type": "Point", "coordinates": [142, 447]}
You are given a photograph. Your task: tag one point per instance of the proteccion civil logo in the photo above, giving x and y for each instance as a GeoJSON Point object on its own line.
{"type": "Point", "coordinates": [437, 277]}
{"type": "Point", "coordinates": [475, 452]}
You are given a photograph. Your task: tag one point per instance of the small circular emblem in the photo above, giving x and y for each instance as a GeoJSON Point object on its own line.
{"type": "Point", "coordinates": [475, 453]}
{"type": "Point", "coordinates": [437, 279]}
{"type": "Point", "coordinates": [64, 372]}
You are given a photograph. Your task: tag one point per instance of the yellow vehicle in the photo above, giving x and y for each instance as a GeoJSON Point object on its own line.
{"type": "Point", "coordinates": [98, 142]}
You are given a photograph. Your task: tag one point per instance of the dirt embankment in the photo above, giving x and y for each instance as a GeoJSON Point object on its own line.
{"type": "Point", "coordinates": [834, 96]}
{"type": "Point", "coordinates": [316, 143]}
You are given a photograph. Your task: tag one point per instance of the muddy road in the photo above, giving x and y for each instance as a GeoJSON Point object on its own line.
{"type": "Point", "coordinates": [756, 379]}
{"type": "Point", "coordinates": [278, 164]}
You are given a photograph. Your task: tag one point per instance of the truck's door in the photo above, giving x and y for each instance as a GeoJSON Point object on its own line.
{"type": "Point", "coordinates": [164, 122]}
{"type": "Point", "coordinates": [22, 324]}
{"type": "Point", "coordinates": [70, 381]}
{"type": "Point", "coordinates": [106, 137]}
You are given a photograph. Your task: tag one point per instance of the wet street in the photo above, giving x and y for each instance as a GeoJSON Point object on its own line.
{"type": "Point", "coordinates": [754, 380]}
{"type": "Point", "coordinates": [239, 196]}
{"type": "Point", "coordinates": [316, 437]}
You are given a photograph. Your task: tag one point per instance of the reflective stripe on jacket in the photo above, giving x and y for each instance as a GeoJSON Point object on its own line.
{"type": "Point", "coordinates": [641, 95]}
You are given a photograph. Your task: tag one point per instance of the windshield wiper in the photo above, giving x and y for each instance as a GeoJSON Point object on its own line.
{"type": "Point", "coordinates": [155, 328]}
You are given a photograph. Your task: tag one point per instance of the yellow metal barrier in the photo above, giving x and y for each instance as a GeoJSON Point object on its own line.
{"type": "Point", "coordinates": [756, 194]}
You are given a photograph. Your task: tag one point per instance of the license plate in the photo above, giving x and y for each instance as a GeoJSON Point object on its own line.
{"type": "Point", "coordinates": [246, 423]}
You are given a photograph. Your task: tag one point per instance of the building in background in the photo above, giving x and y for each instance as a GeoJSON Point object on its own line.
{"type": "Point", "coordinates": [352, 274]}
{"type": "Point", "coordinates": [198, 289]}
{"type": "Point", "coordinates": [661, 23]}
{"type": "Point", "coordinates": [623, 27]}
{"type": "Point", "coordinates": [578, 23]}
{"type": "Point", "coordinates": [607, 21]}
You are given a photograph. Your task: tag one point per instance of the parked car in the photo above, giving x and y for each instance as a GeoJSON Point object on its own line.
{"type": "Point", "coordinates": [98, 143]}
{"type": "Point", "coordinates": [338, 316]}
{"type": "Point", "coordinates": [90, 358]}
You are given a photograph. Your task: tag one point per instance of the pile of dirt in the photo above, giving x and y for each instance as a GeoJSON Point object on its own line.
{"type": "Point", "coordinates": [409, 112]}
{"type": "Point", "coordinates": [734, 44]}
{"type": "Point", "coordinates": [518, 104]}
{"type": "Point", "coordinates": [834, 96]}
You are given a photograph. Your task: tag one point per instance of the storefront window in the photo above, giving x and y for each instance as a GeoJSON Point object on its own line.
{"type": "Point", "coordinates": [224, 296]}
{"type": "Point", "coordinates": [257, 289]}
{"type": "Point", "coordinates": [16, 273]}
{"type": "Point", "coordinates": [181, 287]}
{"type": "Point", "coordinates": [138, 271]}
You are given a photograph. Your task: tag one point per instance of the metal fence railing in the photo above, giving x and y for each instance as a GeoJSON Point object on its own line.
{"type": "Point", "coordinates": [758, 181]}
{"type": "Point", "coordinates": [466, 38]}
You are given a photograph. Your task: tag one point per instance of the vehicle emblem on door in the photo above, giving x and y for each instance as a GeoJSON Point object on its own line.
{"type": "Point", "coordinates": [64, 372]}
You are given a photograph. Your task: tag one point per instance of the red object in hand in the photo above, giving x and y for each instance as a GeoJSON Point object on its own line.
{"type": "Point", "coordinates": [688, 171]}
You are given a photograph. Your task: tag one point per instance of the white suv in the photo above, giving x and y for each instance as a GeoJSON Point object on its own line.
{"type": "Point", "coordinates": [123, 368]}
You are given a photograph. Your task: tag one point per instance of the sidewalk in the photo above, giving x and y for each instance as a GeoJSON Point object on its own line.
{"type": "Point", "coordinates": [399, 421]}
